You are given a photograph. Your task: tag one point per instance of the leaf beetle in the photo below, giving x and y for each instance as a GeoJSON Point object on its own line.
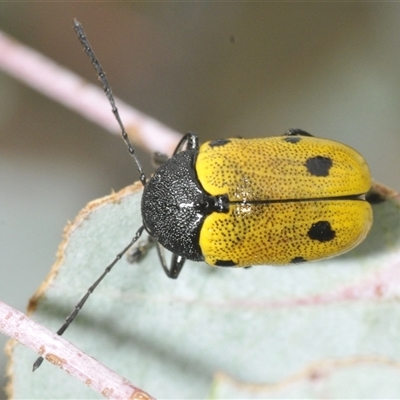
{"type": "Point", "coordinates": [242, 202]}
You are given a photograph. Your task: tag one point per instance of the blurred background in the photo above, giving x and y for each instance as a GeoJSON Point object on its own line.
{"type": "Point", "coordinates": [218, 69]}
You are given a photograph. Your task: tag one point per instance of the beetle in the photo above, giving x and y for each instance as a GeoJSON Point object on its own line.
{"type": "Point", "coordinates": [242, 202]}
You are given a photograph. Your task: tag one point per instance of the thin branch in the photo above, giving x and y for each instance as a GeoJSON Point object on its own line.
{"type": "Point", "coordinates": [67, 88]}
{"type": "Point", "coordinates": [66, 356]}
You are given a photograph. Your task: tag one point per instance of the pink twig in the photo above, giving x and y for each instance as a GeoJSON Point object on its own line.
{"type": "Point", "coordinates": [69, 358]}
{"type": "Point", "coordinates": [62, 85]}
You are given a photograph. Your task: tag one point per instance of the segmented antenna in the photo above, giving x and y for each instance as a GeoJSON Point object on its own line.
{"type": "Point", "coordinates": [107, 89]}
{"type": "Point", "coordinates": [82, 301]}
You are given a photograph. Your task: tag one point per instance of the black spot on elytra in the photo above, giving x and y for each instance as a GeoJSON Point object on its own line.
{"type": "Point", "coordinates": [292, 139]}
{"type": "Point", "coordinates": [297, 260]}
{"type": "Point", "coordinates": [219, 142]}
{"type": "Point", "coordinates": [321, 231]}
{"type": "Point", "coordinates": [319, 165]}
{"type": "Point", "coordinates": [225, 263]}
{"type": "Point", "coordinates": [297, 132]}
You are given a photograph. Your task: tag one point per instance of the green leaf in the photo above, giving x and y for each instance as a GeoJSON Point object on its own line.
{"type": "Point", "coordinates": [327, 329]}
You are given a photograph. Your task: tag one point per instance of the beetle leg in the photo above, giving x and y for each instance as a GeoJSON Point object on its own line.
{"type": "Point", "coordinates": [191, 140]}
{"type": "Point", "coordinates": [176, 266]}
{"type": "Point", "coordinates": [297, 132]}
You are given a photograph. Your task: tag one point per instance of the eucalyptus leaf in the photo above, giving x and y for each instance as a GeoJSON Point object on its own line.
{"type": "Point", "coordinates": [328, 329]}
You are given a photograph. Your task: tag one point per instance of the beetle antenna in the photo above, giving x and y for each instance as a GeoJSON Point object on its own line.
{"type": "Point", "coordinates": [107, 90]}
{"type": "Point", "coordinates": [91, 289]}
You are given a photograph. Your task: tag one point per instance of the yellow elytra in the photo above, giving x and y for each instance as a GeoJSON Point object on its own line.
{"type": "Point", "coordinates": [291, 199]}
